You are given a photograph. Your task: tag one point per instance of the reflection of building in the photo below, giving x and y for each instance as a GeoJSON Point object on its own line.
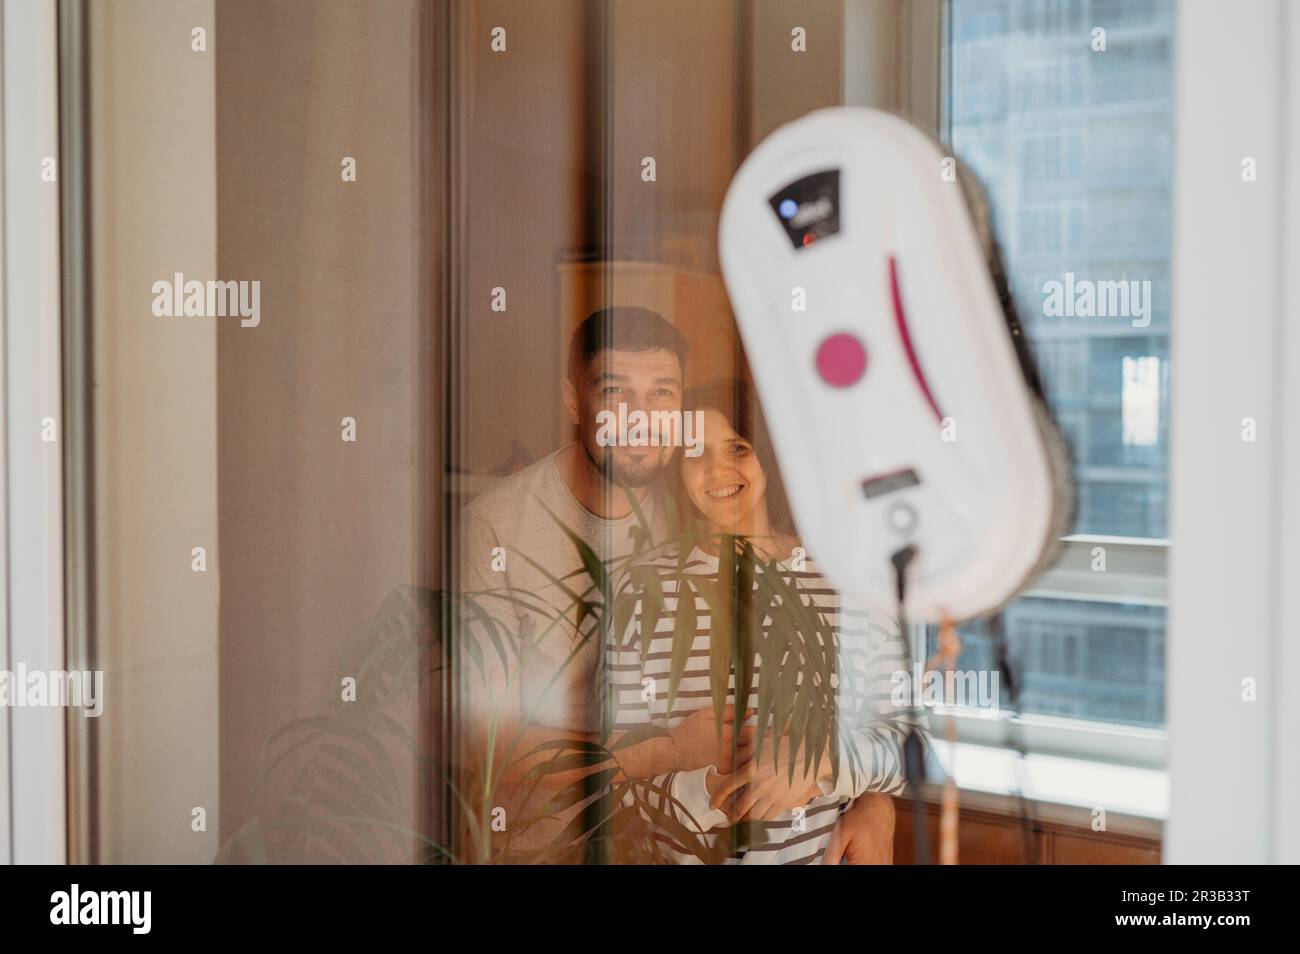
{"type": "Point", "coordinates": [1099, 661]}
{"type": "Point", "coordinates": [1075, 148]}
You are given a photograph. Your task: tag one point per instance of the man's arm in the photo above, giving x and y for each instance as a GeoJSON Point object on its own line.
{"type": "Point", "coordinates": [871, 752]}
{"type": "Point", "coordinates": [507, 745]}
{"type": "Point", "coordinates": [864, 833]}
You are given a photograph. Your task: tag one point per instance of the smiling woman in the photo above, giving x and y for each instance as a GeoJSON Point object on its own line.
{"type": "Point", "coordinates": [730, 479]}
{"type": "Point", "coordinates": [811, 673]}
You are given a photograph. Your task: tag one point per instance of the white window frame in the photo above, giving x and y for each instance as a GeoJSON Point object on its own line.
{"type": "Point", "coordinates": [1136, 567]}
{"type": "Point", "coordinates": [1136, 574]}
{"type": "Point", "coordinates": [1234, 600]}
{"type": "Point", "coordinates": [895, 58]}
{"type": "Point", "coordinates": [32, 752]}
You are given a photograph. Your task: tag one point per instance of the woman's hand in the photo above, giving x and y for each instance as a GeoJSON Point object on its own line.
{"type": "Point", "coordinates": [764, 789]}
{"type": "Point", "coordinates": [864, 835]}
{"type": "Point", "coordinates": [692, 744]}
{"type": "Point", "coordinates": [696, 742]}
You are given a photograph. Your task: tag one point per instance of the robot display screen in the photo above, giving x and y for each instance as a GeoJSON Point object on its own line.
{"type": "Point", "coordinates": [809, 208]}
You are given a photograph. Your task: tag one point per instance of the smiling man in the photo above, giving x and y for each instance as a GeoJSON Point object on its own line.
{"type": "Point", "coordinates": [520, 538]}
{"type": "Point", "coordinates": [521, 533]}
{"type": "Point", "coordinates": [518, 542]}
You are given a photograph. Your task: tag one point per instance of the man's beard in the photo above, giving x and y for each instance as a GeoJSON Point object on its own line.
{"type": "Point", "coordinates": [631, 474]}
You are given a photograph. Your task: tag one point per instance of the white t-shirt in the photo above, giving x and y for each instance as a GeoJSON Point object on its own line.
{"type": "Point", "coordinates": [529, 516]}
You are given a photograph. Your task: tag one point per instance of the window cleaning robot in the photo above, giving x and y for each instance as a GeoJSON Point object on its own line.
{"type": "Point", "coordinates": [923, 467]}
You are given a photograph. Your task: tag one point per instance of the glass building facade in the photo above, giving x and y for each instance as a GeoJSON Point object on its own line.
{"type": "Point", "coordinates": [1064, 110]}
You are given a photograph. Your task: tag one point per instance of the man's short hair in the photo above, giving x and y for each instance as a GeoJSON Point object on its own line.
{"type": "Point", "coordinates": [623, 328]}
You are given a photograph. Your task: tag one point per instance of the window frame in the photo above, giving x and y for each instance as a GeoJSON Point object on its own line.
{"type": "Point", "coordinates": [1136, 574]}
{"type": "Point", "coordinates": [33, 774]}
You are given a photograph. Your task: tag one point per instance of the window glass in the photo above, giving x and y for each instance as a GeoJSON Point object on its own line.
{"type": "Point", "coordinates": [1078, 162]}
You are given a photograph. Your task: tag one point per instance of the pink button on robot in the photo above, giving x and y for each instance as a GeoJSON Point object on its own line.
{"type": "Point", "coordinates": [841, 360]}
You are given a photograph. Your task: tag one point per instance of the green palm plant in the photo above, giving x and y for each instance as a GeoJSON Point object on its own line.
{"type": "Point", "coordinates": [340, 768]}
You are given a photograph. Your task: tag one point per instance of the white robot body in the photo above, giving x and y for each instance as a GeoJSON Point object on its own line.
{"type": "Point", "coordinates": [898, 405]}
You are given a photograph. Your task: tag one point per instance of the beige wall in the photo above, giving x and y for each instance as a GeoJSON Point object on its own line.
{"type": "Point", "coordinates": [782, 85]}
{"type": "Point", "coordinates": [694, 85]}
{"type": "Point", "coordinates": [315, 531]}
{"type": "Point", "coordinates": [530, 183]}
{"type": "Point", "coordinates": [226, 164]}
{"type": "Point", "coordinates": [153, 180]}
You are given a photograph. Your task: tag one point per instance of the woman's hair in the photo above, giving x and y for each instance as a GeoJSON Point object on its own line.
{"type": "Point", "coordinates": [736, 401]}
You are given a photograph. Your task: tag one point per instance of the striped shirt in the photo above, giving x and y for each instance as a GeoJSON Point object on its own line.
{"type": "Point", "coordinates": [870, 728]}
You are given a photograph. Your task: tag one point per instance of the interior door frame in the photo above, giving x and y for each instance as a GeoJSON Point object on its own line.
{"type": "Point", "coordinates": [32, 747]}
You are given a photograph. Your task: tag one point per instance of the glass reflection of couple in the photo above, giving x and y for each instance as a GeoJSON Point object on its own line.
{"type": "Point", "coordinates": [664, 526]}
